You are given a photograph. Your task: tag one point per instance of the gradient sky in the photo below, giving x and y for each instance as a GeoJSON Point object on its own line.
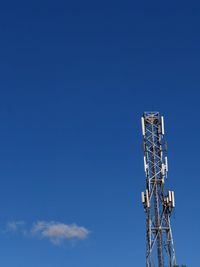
{"type": "Point", "coordinates": [75, 77]}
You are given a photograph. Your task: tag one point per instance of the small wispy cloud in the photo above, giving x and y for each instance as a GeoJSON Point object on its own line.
{"type": "Point", "coordinates": [16, 227]}
{"type": "Point", "coordinates": [55, 232]}
{"type": "Point", "coordinates": [13, 226]}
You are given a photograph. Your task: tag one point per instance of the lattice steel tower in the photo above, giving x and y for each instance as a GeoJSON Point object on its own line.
{"type": "Point", "coordinates": [158, 204]}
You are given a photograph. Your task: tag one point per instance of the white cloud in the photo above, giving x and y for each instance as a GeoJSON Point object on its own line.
{"type": "Point", "coordinates": [58, 232]}
{"type": "Point", "coordinates": [55, 232]}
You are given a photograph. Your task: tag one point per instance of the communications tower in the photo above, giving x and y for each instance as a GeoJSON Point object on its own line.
{"type": "Point", "coordinates": [158, 203]}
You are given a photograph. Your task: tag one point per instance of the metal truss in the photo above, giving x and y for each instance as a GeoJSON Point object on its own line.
{"type": "Point", "coordinates": [158, 204]}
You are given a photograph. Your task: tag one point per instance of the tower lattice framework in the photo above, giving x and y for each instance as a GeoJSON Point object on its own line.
{"type": "Point", "coordinates": [158, 203]}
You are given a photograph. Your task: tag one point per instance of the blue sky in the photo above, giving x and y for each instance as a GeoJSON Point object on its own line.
{"type": "Point", "coordinates": [75, 79]}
